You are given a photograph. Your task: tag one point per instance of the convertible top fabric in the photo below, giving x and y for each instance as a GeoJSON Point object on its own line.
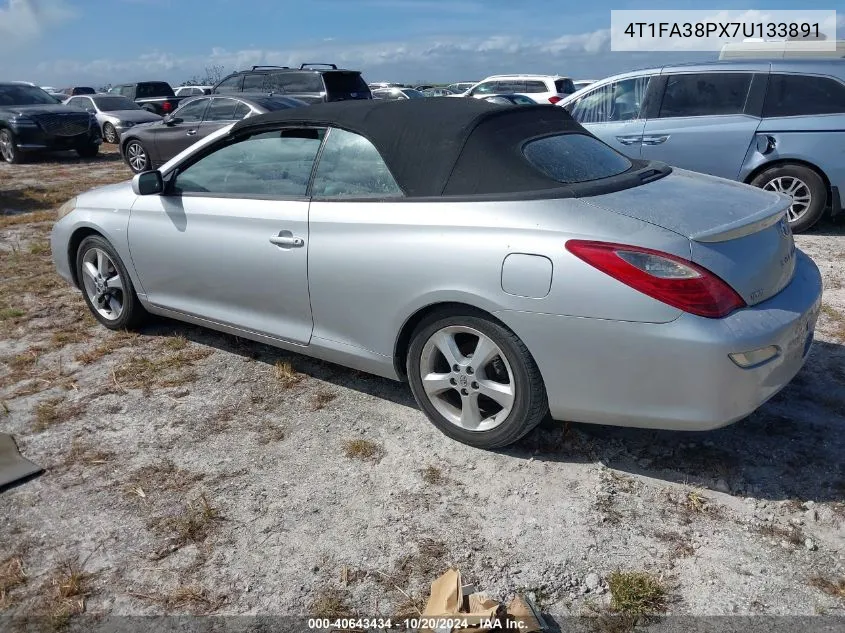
{"type": "Point", "coordinates": [441, 146]}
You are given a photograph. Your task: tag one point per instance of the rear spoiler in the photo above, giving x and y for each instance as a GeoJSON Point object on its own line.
{"type": "Point", "coordinates": [763, 219]}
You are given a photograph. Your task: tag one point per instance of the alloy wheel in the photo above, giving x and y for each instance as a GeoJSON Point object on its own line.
{"type": "Point", "coordinates": [6, 148]}
{"type": "Point", "coordinates": [467, 378]}
{"type": "Point", "coordinates": [110, 133]}
{"type": "Point", "coordinates": [103, 284]}
{"type": "Point", "coordinates": [137, 156]}
{"type": "Point", "coordinates": [797, 189]}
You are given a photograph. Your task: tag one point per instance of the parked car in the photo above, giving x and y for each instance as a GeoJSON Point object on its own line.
{"type": "Point", "coordinates": [437, 92]}
{"type": "Point", "coordinates": [397, 94]}
{"type": "Point", "coordinates": [779, 124]}
{"type": "Point", "coordinates": [32, 121]}
{"type": "Point", "coordinates": [78, 90]}
{"type": "Point", "coordinates": [305, 83]}
{"type": "Point", "coordinates": [597, 288]}
{"type": "Point", "coordinates": [461, 86]}
{"type": "Point", "coordinates": [147, 145]}
{"type": "Point", "coordinates": [540, 88]}
{"type": "Point", "coordinates": [192, 91]}
{"type": "Point", "coordinates": [385, 84]}
{"type": "Point", "coordinates": [582, 83]}
{"type": "Point", "coordinates": [153, 96]}
{"type": "Point", "coordinates": [424, 87]}
{"type": "Point", "coordinates": [510, 100]}
{"type": "Point", "coordinates": [115, 113]}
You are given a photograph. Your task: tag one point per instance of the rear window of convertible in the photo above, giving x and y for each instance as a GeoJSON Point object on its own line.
{"type": "Point", "coordinates": [571, 158]}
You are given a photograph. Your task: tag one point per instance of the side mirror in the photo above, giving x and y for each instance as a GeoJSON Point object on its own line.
{"type": "Point", "coordinates": [148, 183]}
{"type": "Point", "coordinates": [171, 120]}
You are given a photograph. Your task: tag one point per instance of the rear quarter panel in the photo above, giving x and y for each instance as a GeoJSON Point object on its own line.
{"type": "Point", "coordinates": [372, 265]}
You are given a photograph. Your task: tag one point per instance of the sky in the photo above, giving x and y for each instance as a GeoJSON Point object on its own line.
{"type": "Point", "coordinates": [97, 42]}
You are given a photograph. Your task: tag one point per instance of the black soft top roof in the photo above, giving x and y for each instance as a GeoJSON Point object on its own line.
{"type": "Point", "coordinates": [442, 145]}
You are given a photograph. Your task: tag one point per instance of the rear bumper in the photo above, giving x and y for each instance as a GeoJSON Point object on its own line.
{"type": "Point", "coordinates": [675, 375]}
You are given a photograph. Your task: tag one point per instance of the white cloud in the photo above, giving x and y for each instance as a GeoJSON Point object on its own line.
{"type": "Point", "coordinates": [23, 21]}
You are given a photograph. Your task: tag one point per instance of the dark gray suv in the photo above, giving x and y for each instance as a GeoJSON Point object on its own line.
{"type": "Point", "coordinates": [306, 83]}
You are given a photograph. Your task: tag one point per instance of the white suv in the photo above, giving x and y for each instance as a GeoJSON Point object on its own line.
{"type": "Point", "coordinates": [540, 88]}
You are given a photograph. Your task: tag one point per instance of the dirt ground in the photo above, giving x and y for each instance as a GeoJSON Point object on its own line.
{"type": "Point", "coordinates": [192, 472]}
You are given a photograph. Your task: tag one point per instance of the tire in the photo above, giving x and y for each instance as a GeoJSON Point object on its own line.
{"type": "Point", "coordinates": [110, 134]}
{"type": "Point", "coordinates": [131, 313]}
{"type": "Point", "coordinates": [509, 368]}
{"type": "Point", "coordinates": [806, 184]}
{"type": "Point", "coordinates": [8, 151]}
{"type": "Point", "coordinates": [88, 151]}
{"type": "Point", "coordinates": [137, 156]}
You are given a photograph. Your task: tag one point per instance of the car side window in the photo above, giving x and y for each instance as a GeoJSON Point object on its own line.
{"type": "Point", "coordinates": [301, 82]}
{"type": "Point", "coordinates": [705, 94]}
{"type": "Point", "coordinates": [221, 109]}
{"type": "Point", "coordinates": [192, 111]}
{"type": "Point", "coordinates": [486, 88]}
{"type": "Point", "coordinates": [241, 111]}
{"type": "Point", "coordinates": [535, 86]}
{"type": "Point", "coordinates": [232, 84]}
{"type": "Point", "coordinates": [277, 163]}
{"type": "Point", "coordinates": [615, 101]}
{"type": "Point", "coordinates": [796, 95]}
{"type": "Point", "coordinates": [351, 167]}
{"type": "Point", "coordinates": [253, 83]}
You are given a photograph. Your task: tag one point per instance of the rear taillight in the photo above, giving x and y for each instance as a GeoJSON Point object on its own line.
{"type": "Point", "coordinates": [167, 106]}
{"type": "Point", "coordinates": [667, 278]}
{"type": "Point", "coordinates": [555, 99]}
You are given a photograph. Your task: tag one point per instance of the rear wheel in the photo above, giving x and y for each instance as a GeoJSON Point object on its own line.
{"type": "Point", "coordinates": [8, 151]}
{"type": "Point", "coordinates": [137, 157]}
{"type": "Point", "coordinates": [804, 186]}
{"type": "Point", "coordinates": [106, 285]}
{"type": "Point", "coordinates": [475, 380]}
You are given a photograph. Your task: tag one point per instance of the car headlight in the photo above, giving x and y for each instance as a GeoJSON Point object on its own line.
{"type": "Point", "coordinates": [22, 122]}
{"type": "Point", "coordinates": [125, 123]}
{"type": "Point", "coordinates": [66, 208]}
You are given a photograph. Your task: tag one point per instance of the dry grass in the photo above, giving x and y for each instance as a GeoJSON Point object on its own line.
{"type": "Point", "coordinates": [432, 475]}
{"type": "Point", "coordinates": [11, 313]}
{"type": "Point", "coordinates": [680, 545]}
{"type": "Point", "coordinates": [331, 602]}
{"type": "Point", "coordinates": [169, 370]}
{"type": "Point", "coordinates": [86, 454]}
{"type": "Point", "coordinates": [193, 524]}
{"type": "Point", "coordinates": [56, 411]}
{"type": "Point", "coordinates": [196, 599]}
{"type": "Point", "coordinates": [321, 399]}
{"type": "Point", "coordinates": [69, 586]}
{"type": "Point", "coordinates": [835, 588]}
{"type": "Point", "coordinates": [836, 318]}
{"type": "Point", "coordinates": [364, 450]}
{"type": "Point", "coordinates": [286, 374]}
{"type": "Point", "coordinates": [792, 534]}
{"type": "Point", "coordinates": [176, 342]}
{"type": "Point", "coordinates": [636, 593]}
{"type": "Point", "coordinates": [161, 478]}
{"type": "Point", "coordinates": [117, 340]}
{"type": "Point", "coordinates": [11, 575]}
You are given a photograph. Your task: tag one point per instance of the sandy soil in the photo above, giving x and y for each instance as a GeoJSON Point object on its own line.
{"type": "Point", "coordinates": [191, 472]}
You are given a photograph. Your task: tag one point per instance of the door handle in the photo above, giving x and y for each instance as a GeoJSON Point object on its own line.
{"type": "Point", "coordinates": [629, 140]}
{"type": "Point", "coordinates": [655, 140]}
{"type": "Point", "coordinates": [286, 239]}
{"type": "Point", "coordinates": [191, 132]}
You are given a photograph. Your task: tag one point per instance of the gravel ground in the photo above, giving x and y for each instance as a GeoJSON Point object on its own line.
{"type": "Point", "coordinates": [192, 472]}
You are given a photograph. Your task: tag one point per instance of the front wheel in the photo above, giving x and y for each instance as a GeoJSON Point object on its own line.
{"type": "Point", "coordinates": [110, 134]}
{"type": "Point", "coordinates": [804, 186]}
{"type": "Point", "coordinates": [8, 150]}
{"type": "Point", "coordinates": [106, 285]}
{"type": "Point", "coordinates": [475, 380]}
{"type": "Point", "coordinates": [137, 157]}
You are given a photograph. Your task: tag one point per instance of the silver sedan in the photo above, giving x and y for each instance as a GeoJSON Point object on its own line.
{"type": "Point", "coordinates": [509, 266]}
{"type": "Point", "coordinates": [115, 113]}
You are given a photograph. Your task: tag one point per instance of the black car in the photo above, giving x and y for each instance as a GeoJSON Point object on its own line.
{"type": "Point", "coordinates": [147, 146]}
{"type": "Point", "coordinates": [33, 121]}
{"type": "Point", "coordinates": [304, 83]}
{"type": "Point", "coordinates": [154, 96]}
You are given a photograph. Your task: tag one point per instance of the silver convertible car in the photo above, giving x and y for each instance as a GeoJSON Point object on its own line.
{"type": "Point", "coordinates": [501, 259]}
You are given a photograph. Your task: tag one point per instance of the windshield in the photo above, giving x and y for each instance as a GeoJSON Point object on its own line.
{"type": "Point", "coordinates": [413, 94]}
{"type": "Point", "coordinates": [571, 158]}
{"type": "Point", "coordinates": [112, 104]}
{"type": "Point", "coordinates": [21, 94]}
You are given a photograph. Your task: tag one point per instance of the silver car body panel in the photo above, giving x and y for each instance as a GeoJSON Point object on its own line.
{"type": "Point", "coordinates": [607, 353]}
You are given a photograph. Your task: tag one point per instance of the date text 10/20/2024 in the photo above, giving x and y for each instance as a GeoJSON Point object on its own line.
{"type": "Point", "coordinates": [413, 624]}
{"type": "Point", "coordinates": [723, 29]}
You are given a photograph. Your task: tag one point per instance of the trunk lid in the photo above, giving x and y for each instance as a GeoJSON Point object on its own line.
{"type": "Point", "coordinates": [736, 231]}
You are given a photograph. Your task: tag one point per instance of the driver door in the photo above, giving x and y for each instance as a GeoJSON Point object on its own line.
{"type": "Point", "coordinates": [228, 240]}
{"type": "Point", "coordinates": [613, 112]}
{"type": "Point", "coordinates": [175, 135]}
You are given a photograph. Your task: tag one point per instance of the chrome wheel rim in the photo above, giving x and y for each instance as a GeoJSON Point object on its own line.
{"type": "Point", "coordinates": [796, 189]}
{"type": "Point", "coordinates": [103, 284]}
{"type": "Point", "coordinates": [467, 378]}
{"type": "Point", "coordinates": [6, 145]}
{"type": "Point", "coordinates": [110, 133]}
{"type": "Point", "coordinates": [137, 156]}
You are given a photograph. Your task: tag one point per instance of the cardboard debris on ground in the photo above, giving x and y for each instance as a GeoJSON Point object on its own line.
{"type": "Point", "coordinates": [451, 600]}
